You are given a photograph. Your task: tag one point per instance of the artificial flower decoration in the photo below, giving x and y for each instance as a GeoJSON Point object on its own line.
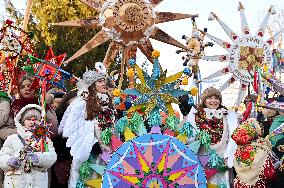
{"type": "Point", "coordinates": [156, 91]}
{"type": "Point", "coordinates": [116, 92]}
{"type": "Point", "coordinates": [155, 54]}
{"type": "Point", "coordinates": [49, 68]}
{"type": "Point", "coordinates": [247, 132]}
{"type": "Point", "coordinates": [194, 91]}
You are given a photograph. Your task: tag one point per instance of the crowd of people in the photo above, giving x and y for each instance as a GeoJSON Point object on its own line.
{"type": "Point", "coordinates": [245, 150]}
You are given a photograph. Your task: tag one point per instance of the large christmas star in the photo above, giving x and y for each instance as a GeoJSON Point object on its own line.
{"type": "Point", "coordinates": [128, 24]}
{"type": "Point", "coordinates": [156, 91]}
{"type": "Point", "coordinates": [245, 55]}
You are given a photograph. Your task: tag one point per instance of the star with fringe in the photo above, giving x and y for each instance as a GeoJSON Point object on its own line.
{"type": "Point", "coordinates": [154, 160]}
{"type": "Point", "coordinates": [50, 68]}
{"type": "Point", "coordinates": [156, 91]}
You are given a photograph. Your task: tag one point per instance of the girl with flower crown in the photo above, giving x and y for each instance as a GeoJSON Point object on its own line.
{"type": "Point", "coordinates": [212, 125]}
{"type": "Point", "coordinates": [254, 158]}
{"type": "Point", "coordinates": [87, 124]}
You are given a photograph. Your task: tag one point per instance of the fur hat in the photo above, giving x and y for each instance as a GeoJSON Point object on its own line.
{"type": "Point", "coordinates": [90, 77]}
{"type": "Point", "coordinates": [209, 92]}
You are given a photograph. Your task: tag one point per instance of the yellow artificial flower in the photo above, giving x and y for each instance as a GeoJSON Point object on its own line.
{"type": "Point", "coordinates": [194, 91]}
{"type": "Point", "coordinates": [184, 81]}
{"type": "Point", "coordinates": [155, 54]}
{"type": "Point", "coordinates": [130, 72]}
{"type": "Point", "coordinates": [116, 92]}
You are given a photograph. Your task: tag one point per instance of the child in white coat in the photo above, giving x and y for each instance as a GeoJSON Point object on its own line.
{"type": "Point", "coordinates": [23, 164]}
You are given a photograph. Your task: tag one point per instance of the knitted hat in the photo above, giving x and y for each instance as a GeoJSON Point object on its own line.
{"type": "Point", "coordinates": [31, 112]}
{"type": "Point", "coordinates": [209, 92]}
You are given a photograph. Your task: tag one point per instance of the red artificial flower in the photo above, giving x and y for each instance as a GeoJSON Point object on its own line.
{"type": "Point", "coordinates": [245, 155]}
{"type": "Point", "coordinates": [9, 22]}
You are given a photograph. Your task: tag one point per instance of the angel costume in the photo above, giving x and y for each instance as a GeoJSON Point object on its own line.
{"type": "Point", "coordinates": [83, 134]}
{"type": "Point", "coordinates": [212, 135]}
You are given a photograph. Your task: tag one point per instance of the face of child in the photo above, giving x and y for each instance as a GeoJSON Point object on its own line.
{"type": "Point", "coordinates": [101, 85]}
{"type": "Point", "coordinates": [30, 122]}
{"type": "Point", "coordinates": [212, 102]}
{"type": "Point", "coordinates": [25, 90]}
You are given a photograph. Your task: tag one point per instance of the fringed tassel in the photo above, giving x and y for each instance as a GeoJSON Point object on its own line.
{"type": "Point", "coordinates": [155, 119]}
{"type": "Point", "coordinates": [172, 122]}
{"type": "Point", "coordinates": [205, 139]}
{"type": "Point", "coordinates": [106, 136]}
{"type": "Point", "coordinates": [186, 129]}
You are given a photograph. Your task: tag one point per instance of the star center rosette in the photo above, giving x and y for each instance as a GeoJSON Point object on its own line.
{"type": "Point", "coordinates": [40, 133]}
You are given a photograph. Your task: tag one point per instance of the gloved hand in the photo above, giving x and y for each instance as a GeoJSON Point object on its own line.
{"type": "Point", "coordinates": [31, 156]}
{"type": "Point", "coordinates": [277, 164]}
{"type": "Point", "coordinates": [14, 162]}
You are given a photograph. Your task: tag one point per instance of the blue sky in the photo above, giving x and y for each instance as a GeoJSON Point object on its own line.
{"type": "Point", "coordinates": [255, 11]}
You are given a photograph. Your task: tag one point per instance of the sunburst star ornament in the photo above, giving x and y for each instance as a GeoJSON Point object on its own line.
{"type": "Point", "coordinates": [128, 24]}
{"type": "Point", "coordinates": [154, 160]}
{"type": "Point", "coordinates": [156, 91]}
{"type": "Point", "coordinates": [247, 52]}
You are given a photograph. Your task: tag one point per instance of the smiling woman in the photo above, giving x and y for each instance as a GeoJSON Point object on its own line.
{"type": "Point", "coordinates": [213, 125]}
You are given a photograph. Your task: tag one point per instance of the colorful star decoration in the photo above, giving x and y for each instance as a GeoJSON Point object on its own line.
{"type": "Point", "coordinates": [156, 91]}
{"type": "Point", "coordinates": [50, 68]}
{"type": "Point", "coordinates": [245, 53]}
{"type": "Point", "coordinates": [40, 131]}
{"type": "Point", "coordinates": [154, 160]}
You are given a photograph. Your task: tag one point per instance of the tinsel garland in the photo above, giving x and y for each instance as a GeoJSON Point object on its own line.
{"type": "Point", "coordinates": [205, 139]}
{"type": "Point", "coordinates": [186, 129]}
{"type": "Point", "coordinates": [155, 119]}
{"type": "Point", "coordinates": [247, 112]}
{"type": "Point", "coordinates": [172, 123]}
{"type": "Point", "coordinates": [85, 170]}
{"type": "Point", "coordinates": [216, 161]}
{"type": "Point", "coordinates": [80, 184]}
{"type": "Point", "coordinates": [120, 124]}
{"type": "Point", "coordinates": [106, 136]}
{"type": "Point", "coordinates": [135, 122]}
{"type": "Point", "coordinates": [4, 96]}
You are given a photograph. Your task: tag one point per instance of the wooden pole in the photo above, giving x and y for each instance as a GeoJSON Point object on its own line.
{"type": "Point", "coordinates": [27, 14]}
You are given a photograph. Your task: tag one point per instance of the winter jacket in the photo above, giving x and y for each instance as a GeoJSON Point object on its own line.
{"type": "Point", "coordinates": [38, 177]}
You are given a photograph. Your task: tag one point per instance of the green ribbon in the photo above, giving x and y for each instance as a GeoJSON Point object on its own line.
{"type": "Point", "coordinates": [28, 69]}
{"type": "Point", "coordinates": [106, 136]}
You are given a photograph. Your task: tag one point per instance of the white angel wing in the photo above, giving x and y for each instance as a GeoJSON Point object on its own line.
{"type": "Point", "coordinates": [78, 131]}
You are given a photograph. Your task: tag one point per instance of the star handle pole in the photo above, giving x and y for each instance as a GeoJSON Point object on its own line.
{"type": "Point", "coordinates": [27, 14]}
